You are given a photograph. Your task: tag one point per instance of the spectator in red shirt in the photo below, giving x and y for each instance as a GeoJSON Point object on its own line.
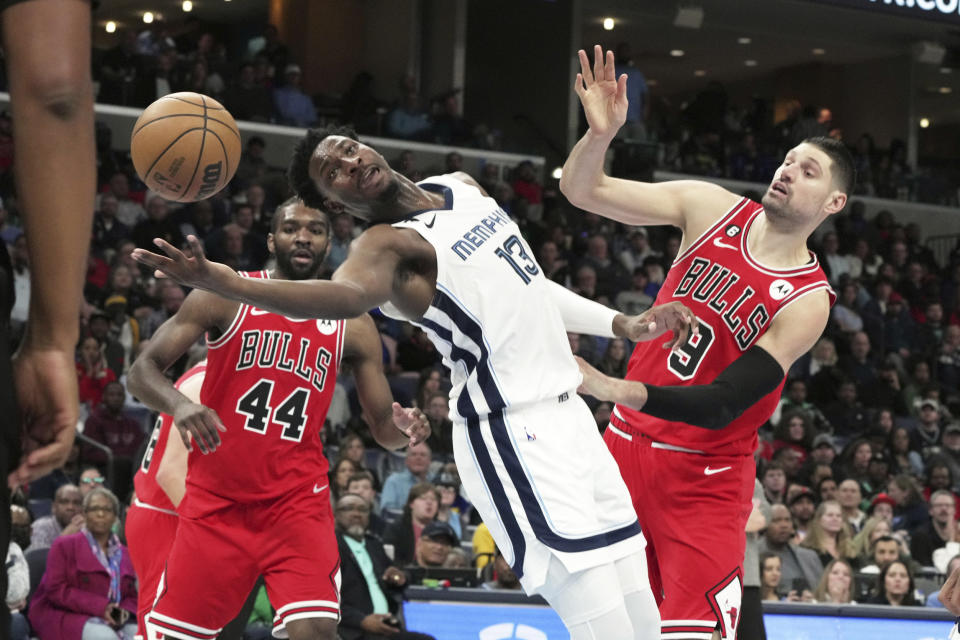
{"type": "Point", "coordinates": [109, 425]}
{"type": "Point", "coordinates": [525, 185]}
{"type": "Point", "coordinates": [93, 374]}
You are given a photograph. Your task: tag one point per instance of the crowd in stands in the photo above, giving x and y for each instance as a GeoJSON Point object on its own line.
{"type": "Point", "coordinates": [259, 79]}
{"type": "Point", "coordinates": [860, 462]}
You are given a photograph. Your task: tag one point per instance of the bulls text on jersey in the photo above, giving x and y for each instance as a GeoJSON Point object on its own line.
{"type": "Point", "coordinates": [266, 349]}
{"type": "Point", "coordinates": [741, 310]}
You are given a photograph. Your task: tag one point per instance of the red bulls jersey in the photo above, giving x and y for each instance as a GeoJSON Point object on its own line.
{"type": "Point", "coordinates": [270, 379]}
{"type": "Point", "coordinates": [145, 481]}
{"type": "Point", "coordinates": [735, 298]}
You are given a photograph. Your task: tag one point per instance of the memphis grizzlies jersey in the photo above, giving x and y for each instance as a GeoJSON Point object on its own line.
{"type": "Point", "coordinates": [492, 318]}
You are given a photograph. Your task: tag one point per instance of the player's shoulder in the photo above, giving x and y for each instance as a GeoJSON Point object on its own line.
{"type": "Point", "coordinates": [360, 331]}
{"type": "Point", "coordinates": [702, 203]}
{"type": "Point", "coordinates": [208, 309]}
{"type": "Point", "coordinates": [385, 239]}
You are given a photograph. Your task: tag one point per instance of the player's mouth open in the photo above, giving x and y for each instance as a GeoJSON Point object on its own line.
{"type": "Point", "coordinates": [779, 187]}
{"type": "Point", "coordinates": [302, 257]}
{"type": "Point", "coordinates": [369, 175]}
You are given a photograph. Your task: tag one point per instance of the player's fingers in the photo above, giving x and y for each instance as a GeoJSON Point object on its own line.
{"type": "Point", "coordinates": [185, 438]}
{"type": "Point", "coordinates": [622, 87]}
{"type": "Point", "coordinates": [694, 323]}
{"type": "Point", "coordinates": [597, 62]}
{"type": "Point", "coordinates": [212, 430]}
{"type": "Point", "coordinates": [217, 422]}
{"type": "Point", "coordinates": [585, 72]}
{"type": "Point", "coordinates": [578, 85]}
{"type": "Point", "coordinates": [680, 335]}
{"type": "Point", "coordinates": [153, 260]}
{"type": "Point", "coordinates": [609, 72]}
{"type": "Point", "coordinates": [199, 434]}
{"type": "Point", "coordinates": [197, 248]}
{"type": "Point", "coordinates": [175, 254]}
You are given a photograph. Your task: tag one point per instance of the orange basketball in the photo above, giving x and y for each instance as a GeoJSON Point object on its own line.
{"type": "Point", "coordinates": [185, 146]}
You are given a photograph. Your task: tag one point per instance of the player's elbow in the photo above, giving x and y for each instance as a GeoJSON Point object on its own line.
{"type": "Point", "coordinates": [63, 91]}
{"type": "Point", "coordinates": [135, 377]}
{"type": "Point", "coordinates": [569, 188]}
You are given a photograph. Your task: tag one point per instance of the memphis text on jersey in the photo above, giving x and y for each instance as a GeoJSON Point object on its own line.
{"type": "Point", "coordinates": [739, 306]}
{"type": "Point", "coordinates": [269, 349]}
{"type": "Point", "coordinates": [477, 235]}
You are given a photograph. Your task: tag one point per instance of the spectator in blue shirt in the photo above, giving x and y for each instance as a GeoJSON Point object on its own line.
{"type": "Point", "coordinates": [397, 486]}
{"type": "Point", "coordinates": [294, 107]}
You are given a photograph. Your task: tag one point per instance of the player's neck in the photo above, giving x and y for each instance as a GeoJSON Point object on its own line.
{"type": "Point", "coordinates": [408, 198]}
{"type": "Point", "coordinates": [773, 246]}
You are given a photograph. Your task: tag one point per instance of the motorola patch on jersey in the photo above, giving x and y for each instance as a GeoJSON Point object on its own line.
{"type": "Point", "coordinates": [780, 289]}
{"type": "Point", "coordinates": [327, 327]}
{"type": "Point", "coordinates": [732, 230]}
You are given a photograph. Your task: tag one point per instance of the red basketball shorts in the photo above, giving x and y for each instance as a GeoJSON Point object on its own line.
{"type": "Point", "coordinates": [150, 533]}
{"type": "Point", "coordinates": [693, 510]}
{"type": "Point", "coordinates": [222, 547]}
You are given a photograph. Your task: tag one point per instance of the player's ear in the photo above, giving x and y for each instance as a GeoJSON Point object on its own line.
{"type": "Point", "coordinates": [271, 246]}
{"type": "Point", "coordinates": [836, 202]}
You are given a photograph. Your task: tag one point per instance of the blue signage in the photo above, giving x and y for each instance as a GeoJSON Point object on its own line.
{"type": "Point", "coordinates": [459, 621]}
{"type": "Point", "coordinates": [787, 627]}
{"type": "Point", "coordinates": [478, 621]}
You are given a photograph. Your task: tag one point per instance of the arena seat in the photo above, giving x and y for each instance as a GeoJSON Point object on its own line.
{"type": "Point", "coordinates": [37, 563]}
{"type": "Point", "coordinates": [39, 507]}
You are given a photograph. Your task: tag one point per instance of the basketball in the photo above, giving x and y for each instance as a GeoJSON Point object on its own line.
{"type": "Point", "coordinates": [185, 146]}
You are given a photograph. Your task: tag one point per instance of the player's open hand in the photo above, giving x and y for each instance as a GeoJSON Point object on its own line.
{"type": "Point", "coordinates": [200, 423]}
{"type": "Point", "coordinates": [412, 422]}
{"type": "Point", "coordinates": [602, 94]}
{"type": "Point", "coordinates": [950, 593]}
{"type": "Point", "coordinates": [655, 321]}
{"type": "Point", "coordinates": [193, 270]}
{"type": "Point", "coordinates": [46, 386]}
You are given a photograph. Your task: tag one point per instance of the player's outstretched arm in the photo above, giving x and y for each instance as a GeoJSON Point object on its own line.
{"type": "Point", "coordinates": [745, 381]}
{"type": "Point", "coordinates": [200, 312]}
{"type": "Point", "coordinates": [688, 204]}
{"type": "Point", "coordinates": [47, 47]}
{"type": "Point", "coordinates": [592, 318]}
{"type": "Point", "coordinates": [392, 426]}
{"type": "Point", "coordinates": [362, 282]}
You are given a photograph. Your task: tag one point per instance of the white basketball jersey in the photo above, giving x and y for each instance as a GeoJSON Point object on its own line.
{"type": "Point", "coordinates": [492, 318]}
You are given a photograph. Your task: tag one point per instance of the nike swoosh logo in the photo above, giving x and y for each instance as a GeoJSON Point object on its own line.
{"type": "Point", "coordinates": [717, 242]}
{"type": "Point", "coordinates": [258, 312]}
{"type": "Point", "coordinates": [317, 489]}
{"type": "Point", "coordinates": [429, 225]}
{"type": "Point", "coordinates": [709, 472]}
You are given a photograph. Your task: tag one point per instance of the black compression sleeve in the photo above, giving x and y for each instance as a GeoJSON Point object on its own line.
{"type": "Point", "coordinates": [713, 406]}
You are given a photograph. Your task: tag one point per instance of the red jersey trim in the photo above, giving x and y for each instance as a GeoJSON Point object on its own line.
{"type": "Point", "coordinates": [733, 211]}
{"type": "Point", "coordinates": [802, 292]}
{"type": "Point", "coordinates": [804, 269]}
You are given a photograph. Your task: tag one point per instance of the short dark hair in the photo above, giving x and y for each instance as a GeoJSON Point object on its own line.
{"type": "Point", "coordinates": [275, 220]}
{"type": "Point", "coordinates": [298, 173]}
{"type": "Point", "coordinates": [844, 172]}
{"type": "Point", "coordinates": [360, 476]}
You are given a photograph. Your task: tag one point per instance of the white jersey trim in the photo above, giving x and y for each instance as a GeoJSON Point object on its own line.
{"type": "Point", "coordinates": [231, 330]}
{"type": "Point", "coordinates": [802, 292]}
{"type": "Point", "coordinates": [798, 270]}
